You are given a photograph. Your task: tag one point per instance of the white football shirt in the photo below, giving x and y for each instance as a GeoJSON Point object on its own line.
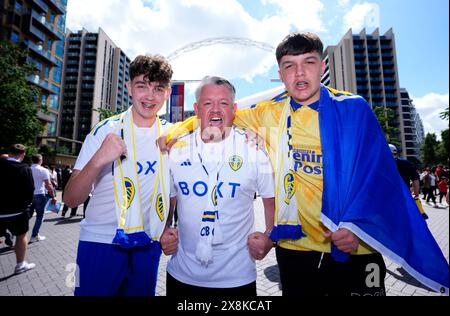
{"type": "Point", "coordinates": [100, 223]}
{"type": "Point", "coordinates": [245, 171]}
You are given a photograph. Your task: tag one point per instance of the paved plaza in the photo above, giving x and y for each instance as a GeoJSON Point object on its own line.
{"type": "Point", "coordinates": [55, 261]}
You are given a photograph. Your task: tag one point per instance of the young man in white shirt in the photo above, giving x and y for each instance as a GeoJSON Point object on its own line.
{"type": "Point", "coordinates": [214, 176]}
{"type": "Point", "coordinates": [42, 182]}
{"type": "Point", "coordinates": [116, 257]}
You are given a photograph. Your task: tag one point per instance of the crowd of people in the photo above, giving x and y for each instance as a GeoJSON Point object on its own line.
{"type": "Point", "coordinates": [329, 212]}
{"type": "Point", "coordinates": [433, 183]}
{"type": "Point", "coordinates": [31, 191]}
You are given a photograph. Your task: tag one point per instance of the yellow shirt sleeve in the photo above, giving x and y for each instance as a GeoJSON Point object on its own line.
{"type": "Point", "coordinates": [247, 118]}
{"type": "Point", "coordinates": [180, 129]}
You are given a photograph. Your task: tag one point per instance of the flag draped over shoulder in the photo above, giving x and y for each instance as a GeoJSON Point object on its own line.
{"type": "Point", "coordinates": [364, 192]}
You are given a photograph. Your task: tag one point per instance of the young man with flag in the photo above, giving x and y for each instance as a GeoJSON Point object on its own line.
{"type": "Point", "coordinates": [119, 249]}
{"type": "Point", "coordinates": [338, 205]}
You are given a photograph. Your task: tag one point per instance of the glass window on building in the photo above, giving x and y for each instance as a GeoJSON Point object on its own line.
{"type": "Point", "coordinates": [54, 102]}
{"type": "Point", "coordinates": [18, 6]}
{"type": "Point", "coordinates": [47, 72]}
{"type": "Point", "coordinates": [52, 18]}
{"type": "Point", "coordinates": [59, 48]}
{"type": "Point", "coordinates": [50, 45]}
{"type": "Point", "coordinates": [56, 75]}
{"type": "Point", "coordinates": [44, 100]}
{"type": "Point", "coordinates": [62, 22]}
{"type": "Point", "coordinates": [51, 127]}
{"type": "Point", "coordinates": [15, 37]}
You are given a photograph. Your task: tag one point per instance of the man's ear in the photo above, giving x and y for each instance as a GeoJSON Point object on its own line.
{"type": "Point", "coordinates": [169, 92]}
{"type": "Point", "coordinates": [128, 85]}
{"type": "Point", "coordinates": [196, 108]}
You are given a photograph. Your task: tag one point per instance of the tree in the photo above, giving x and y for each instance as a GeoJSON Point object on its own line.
{"type": "Point", "coordinates": [429, 149]}
{"type": "Point", "coordinates": [444, 115]}
{"type": "Point", "coordinates": [385, 117]}
{"type": "Point", "coordinates": [442, 150]}
{"type": "Point", "coordinates": [18, 107]}
{"type": "Point", "coordinates": [105, 113]}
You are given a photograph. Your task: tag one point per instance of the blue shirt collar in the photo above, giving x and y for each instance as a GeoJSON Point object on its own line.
{"type": "Point", "coordinates": [295, 105]}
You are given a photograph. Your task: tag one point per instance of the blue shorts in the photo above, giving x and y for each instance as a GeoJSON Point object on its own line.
{"type": "Point", "coordinates": [109, 270]}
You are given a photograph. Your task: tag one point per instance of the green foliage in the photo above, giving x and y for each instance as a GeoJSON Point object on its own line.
{"type": "Point", "coordinates": [105, 113]}
{"type": "Point", "coordinates": [18, 107]}
{"type": "Point", "coordinates": [429, 149]}
{"type": "Point", "coordinates": [444, 115]}
{"type": "Point", "coordinates": [442, 149]}
{"type": "Point", "coordinates": [385, 117]}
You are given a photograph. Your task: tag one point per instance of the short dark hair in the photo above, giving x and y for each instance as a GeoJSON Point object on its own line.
{"type": "Point", "coordinates": [17, 149]}
{"type": "Point", "coordinates": [218, 81]}
{"type": "Point", "coordinates": [155, 68]}
{"type": "Point", "coordinates": [299, 43]}
{"type": "Point", "coordinates": [36, 158]}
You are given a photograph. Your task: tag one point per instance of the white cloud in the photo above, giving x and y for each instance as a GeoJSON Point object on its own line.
{"type": "Point", "coordinates": [343, 3]}
{"type": "Point", "coordinates": [162, 26]}
{"type": "Point", "coordinates": [301, 14]}
{"type": "Point", "coordinates": [362, 15]}
{"type": "Point", "coordinates": [429, 108]}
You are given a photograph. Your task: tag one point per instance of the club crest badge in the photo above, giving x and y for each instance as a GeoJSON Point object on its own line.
{"type": "Point", "coordinates": [160, 207]}
{"type": "Point", "coordinates": [130, 190]}
{"type": "Point", "coordinates": [289, 186]}
{"type": "Point", "coordinates": [236, 162]}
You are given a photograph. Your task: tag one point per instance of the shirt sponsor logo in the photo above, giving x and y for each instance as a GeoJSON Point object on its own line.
{"type": "Point", "coordinates": [307, 161]}
{"type": "Point", "coordinates": [200, 189]}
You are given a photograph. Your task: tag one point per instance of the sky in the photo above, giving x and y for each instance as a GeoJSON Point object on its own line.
{"type": "Point", "coordinates": [163, 27]}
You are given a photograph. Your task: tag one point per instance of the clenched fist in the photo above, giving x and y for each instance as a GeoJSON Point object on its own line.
{"type": "Point", "coordinates": [111, 149]}
{"type": "Point", "coordinates": [344, 240]}
{"type": "Point", "coordinates": [259, 245]}
{"type": "Point", "coordinates": [169, 241]}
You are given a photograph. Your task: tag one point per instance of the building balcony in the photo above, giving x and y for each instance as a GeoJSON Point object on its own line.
{"type": "Point", "coordinates": [34, 79]}
{"type": "Point", "coordinates": [39, 35]}
{"type": "Point", "coordinates": [56, 5]}
{"type": "Point", "coordinates": [51, 29]}
{"type": "Point", "coordinates": [45, 117]}
{"type": "Point", "coordinates": [40, 6]}
{"type": "Point", "coordinates": [39, 50]}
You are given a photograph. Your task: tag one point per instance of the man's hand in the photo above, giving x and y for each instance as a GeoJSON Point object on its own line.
{"type": "Point", "coordinates": [259, 245]}
{"type": "Point", "coordinates": [343, 239]}
{"type": "Point", "coordinates": [112, 148]}
{"type": "Point", "coordinates": [169, 241]}
{"type": "Point", "coordinates": [165, 147]}
{"type": "Point", "coordinates": [254, 139]}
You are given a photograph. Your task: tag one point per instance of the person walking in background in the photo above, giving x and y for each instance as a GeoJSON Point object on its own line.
{"type": "Point", "coordinates": [53, 177]}
{"type": "Point", "coordinates": [443, 189]}
{"type": "Point", "coordinates": [16, 195]}
{"type": "Point", "coordinates": [42, 182]}
{"type": "Point", "coordinates": [409, 176]}
{"type": "Point", "coordinates": [65, 177]}
{"type": "Point", "coordinates": [429, 182]}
